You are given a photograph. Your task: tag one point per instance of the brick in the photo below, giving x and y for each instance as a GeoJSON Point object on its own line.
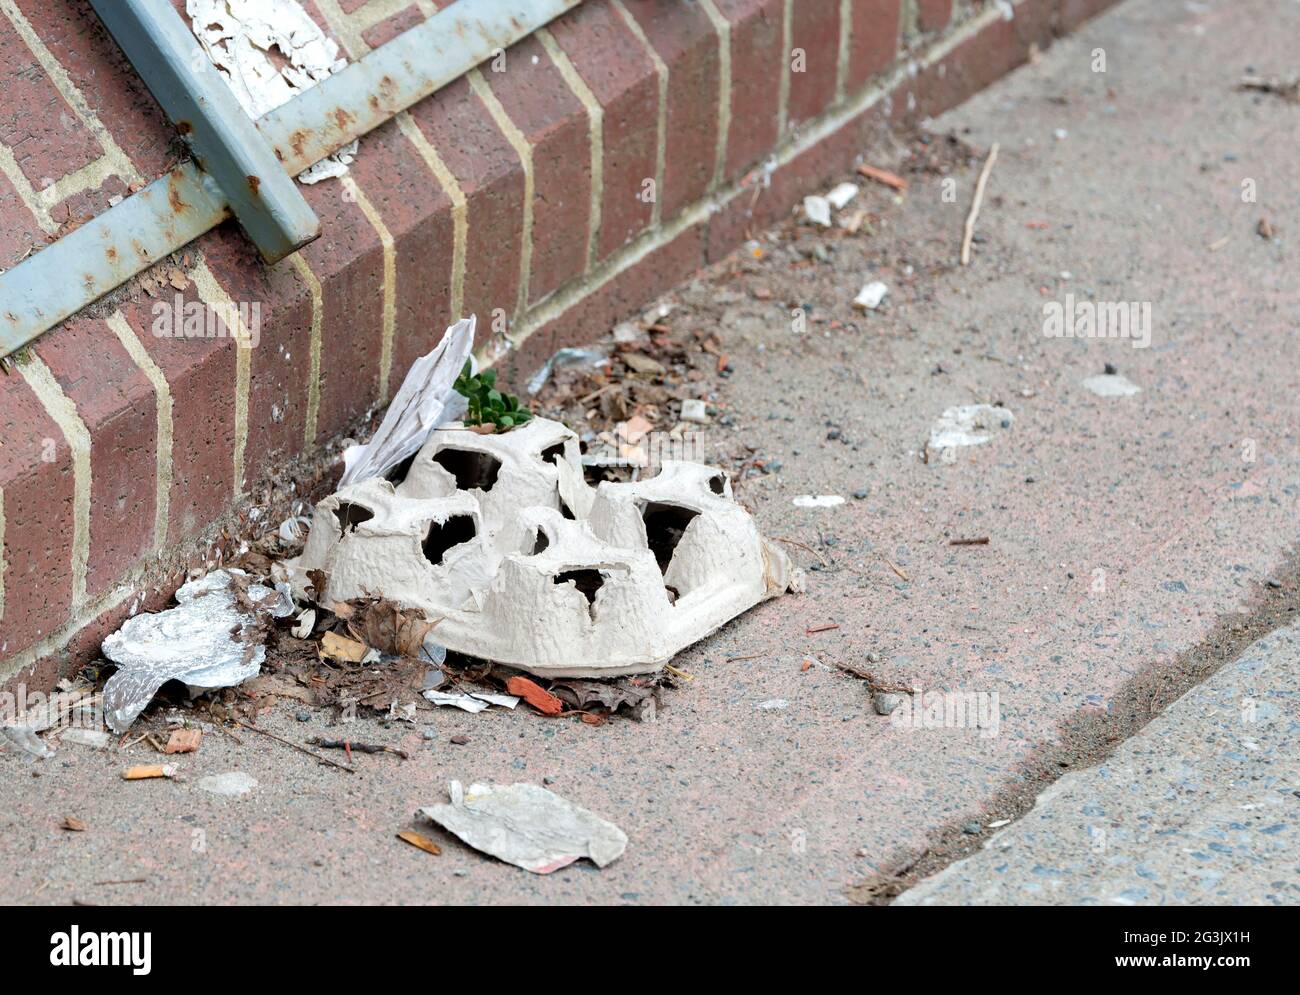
{"type": "Point", "coordinates": [201, 377]}
{"type": "Point", "coordinates": [417, 213]}
{"type": "Point", "coordinates": [111, 87]}
{"type": "Point", "coordinates": [36, 475]}
{"type": "Point", "coordinates": [684, 38]}
{"type": "Point", "coordinates": [814, 32]}
{"type": "Point", "coordinates": [976, 62]}
{"type": "Point", "coordinates": [46, 137]}
{"type": "Point", "coordinates": [390, 27]}
{"type": "Point", "coordinates": [609, 58]}
{"type": "Point", "coordinates": [554, 121]}
{"type": "Point", "coordinates": [756, 58]}
{"type": "Point", "coordinates": [933, 15]}
{"type": "Point", "coordinates": [347, 259]}
{"type": "Point", "coordinates": [116, 403]}
{"type": "Point", "coordinates": [456, 123]}
{"type": "Point", "coordinates": [874, 39]}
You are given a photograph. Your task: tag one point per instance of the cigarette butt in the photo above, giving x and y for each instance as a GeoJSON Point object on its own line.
{"type": "Point", "coordinates": [144, 773]}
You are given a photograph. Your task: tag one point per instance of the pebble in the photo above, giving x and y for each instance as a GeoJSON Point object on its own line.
{"type": "Point", "coordinates": [885, 702]}
{"type": "Point", "coordinates": [303, 716]}
{"type": "Point", "coordinates": [972, 828]}
{"type": "Point", "coordinates": [860, 494]}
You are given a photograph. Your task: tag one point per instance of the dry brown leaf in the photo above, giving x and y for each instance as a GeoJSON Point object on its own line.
{"type": "Point", "coordinates": [422, 842]}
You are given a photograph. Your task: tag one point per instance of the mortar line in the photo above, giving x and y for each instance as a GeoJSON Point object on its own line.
{"type": "Point", "coordinates": [165, 439]}
{"type": "Point", "coordinates": [595, 134]}
{"type": "Point", "coordinates": [317, 322]}
{"type": "Point", "coordinates": [372, 12]}
{"type": "Point", "coordinates": [28, 194]}
{"type": "Point", "coordinates": [846, 47]}
{"type": "Point", "coordinates": [723, 29]}
{"type": "Point", "coordinates": [63, 412]}
{"type": "Point", "coordinates": [783, 98]}
{"type": "Point", "coordinates": [661, 126]}
{"type": "Point", "coordinates": [88, 177]}
{"type": "Point", "coordinates": [389, 287]}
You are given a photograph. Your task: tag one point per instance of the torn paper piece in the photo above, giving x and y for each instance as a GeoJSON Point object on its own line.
{"type": "Point", "coordinates": [870, 297]}
{"type": "Point", "coordinates": [1111, 385]}
{"type": "Point", "coordinates": [426, 399]}
{"type": "Point", "coordinates": [562, 358]}
{"type": "Point", "coordinates": [268, 51]}
{"type": "Point", "coordinates": [211, 639]}
{"type": "Point", "coordinates": [966, 425]}
{"type": "Point", "coordinates": [839, 197]}
{"type": "Point", "coordinates": [817, 210]}
{"type": "Point", "coordinates": [528, 826]}
{"type": "Point", "coordinates": [818, 501]}
{"type": "Point", "coordinates": [24, 738]}
{"type": "Point", "coordinates": [477, 702]}
{"type": "Point", "coordinates": [232, 784]}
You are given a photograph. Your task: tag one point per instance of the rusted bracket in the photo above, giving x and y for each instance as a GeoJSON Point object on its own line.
{"type": "Point", "coordinates": [173, 210]}
{"type": "Point", "coordinates": [226, 143]}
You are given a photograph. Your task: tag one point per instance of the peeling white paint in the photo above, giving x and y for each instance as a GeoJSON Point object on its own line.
{"type": "Point", "coordinates": [239, 37]}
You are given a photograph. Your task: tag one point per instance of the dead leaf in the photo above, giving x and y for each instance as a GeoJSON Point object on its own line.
{"type": "Point", "coordinates": [73, 824]}
{"type": "Point", "coordinates": [389, 628]}
{"type": "Point", "coordinates": [423, 842]}
{"type": "Point", "coordinates": [639, 362]}
{"type": "Point", "coordinates": [336, 647]}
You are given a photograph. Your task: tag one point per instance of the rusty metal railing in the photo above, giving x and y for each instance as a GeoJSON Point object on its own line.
{"type": "Point", "coordinates": [243, 168]}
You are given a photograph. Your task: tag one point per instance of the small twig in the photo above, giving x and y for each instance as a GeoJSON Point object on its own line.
{"type": "Point", "coordinates": [969, 233]}
{"type": "Point", "coordinates": [678, 673]}
{"type": "Point", "coordinates": [802, 545]}
{"type": "Point", "coordinates": [349, 745]}
{"type": "Point", "coordinates": [123, 881]}
{"type": "Point", "coordinates": [820, 628]}
{"type": "Point", "coordinates": [295, 746]}
{"type": "Point", "coordinates": [896, 568]}
{"type": "Point", "coordinates": [751, 656]}
{"type": "Point", "coordinates": [981, 541]}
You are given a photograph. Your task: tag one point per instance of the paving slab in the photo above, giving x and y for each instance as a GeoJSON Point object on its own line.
{"type": "Point", "coordinates": [1202, 807]}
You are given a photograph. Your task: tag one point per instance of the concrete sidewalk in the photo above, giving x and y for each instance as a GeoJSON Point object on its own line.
{"type": "Point", "coordinates": [1130, 539]}
{"type": "Point", "coordinates": [1200, 808]}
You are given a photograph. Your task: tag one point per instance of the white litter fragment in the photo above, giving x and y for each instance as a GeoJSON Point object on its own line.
{"type": "Point", "coordinates": [239, 37]}
{"type": "Point", "coordinates": [209, 640]}
{"type": "Point", "coordinates": [426, 399]}
{"type": "Point", "coordinates": [528, 826]}
{"type": "Point", "coordinates": [695, 410]}
{"type": "Point", "coordinates": [817, 209]}
{"type": "Point", "coordinates": [306, 622]}
{"type": "Point", "coordinates": [24, 738]}
{"type": "Point", "coordinates": [772, 704]}
{"type": "Point", "coordinates": [870, 296]}
{"type": "Point", "coordinates": [294, 529]}
{"type": "Point", "coordinates": [841, 195]}
{"type": "Point", "coordinates": [96, 739]}
{"type": "Point", "coordinates": [818, 501]}
{"type": "Point", "coordinates": [474, 703]}
{"type": "Point", "coordinates": [1111, 385]}
{"type": "Point", "coordinates": [966, 425]}
{"type": "Point", "coordinates": [563, 358]}
{"type": "Point", "coordinates": [401, 713]}
{"type": "Point", "coordinates": [232, 784]}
